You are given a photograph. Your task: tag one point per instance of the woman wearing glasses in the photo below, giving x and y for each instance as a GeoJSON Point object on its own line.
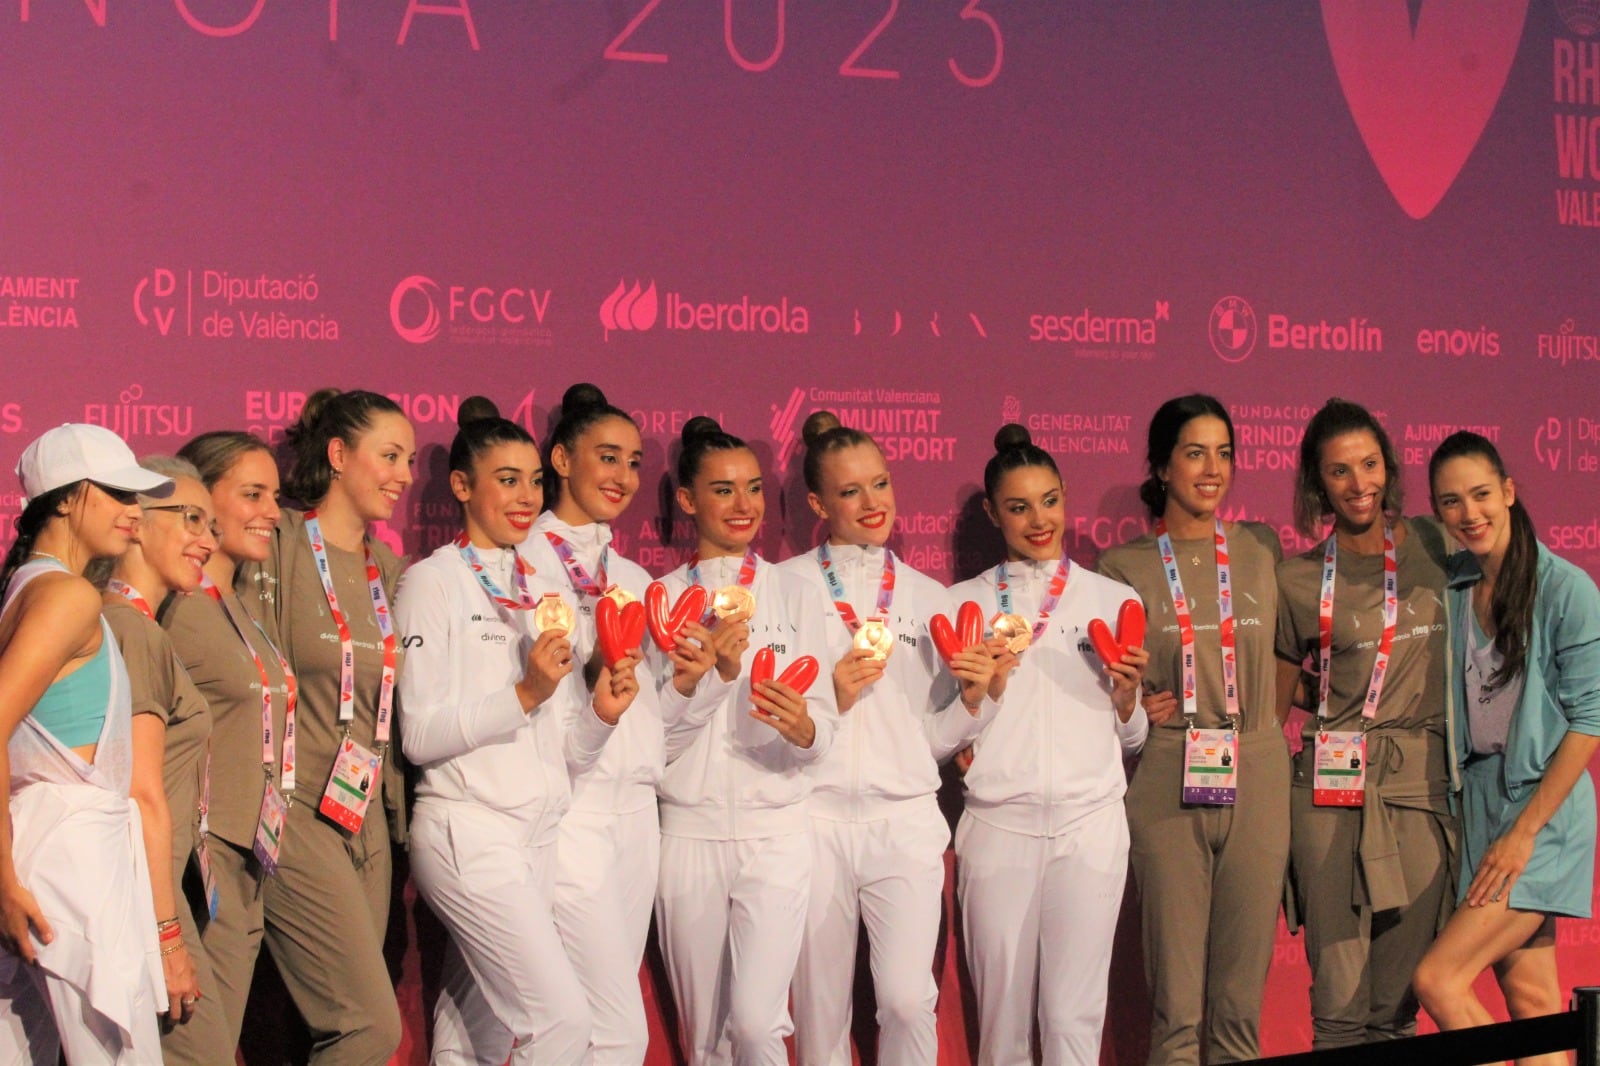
{"type": "Point", "coordinates": [171, 731]}
{"type": "Point", "coordinates": [78, 937]}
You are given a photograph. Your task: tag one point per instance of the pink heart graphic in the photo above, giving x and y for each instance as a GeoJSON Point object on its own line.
{"type": "Point", "coordinates": [1421, 100]}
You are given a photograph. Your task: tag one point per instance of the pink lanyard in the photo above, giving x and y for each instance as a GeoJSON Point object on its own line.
{"type": "Point", "coordinates": [347, 661]}
{"type": "Point", "coordinates": [520, 569]}
{"type": "Point", "coordinates": [747, 576]}
{"type": "Point", "coordinates": [1391, 612]}
{"type": "Point", "coordinates": [1180, 607]}
{"type": "Point", "coordinates": [581, 581]}
{"type": "Point", "coordinates": [836, 587]}
{"type": "Point", "coordinates": [1052, 595]}
{"type": "Point", "coordinates": [291, 690]}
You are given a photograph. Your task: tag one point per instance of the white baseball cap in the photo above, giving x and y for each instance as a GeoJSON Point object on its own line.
{"type": "Point", "coordinates": [76, 451]}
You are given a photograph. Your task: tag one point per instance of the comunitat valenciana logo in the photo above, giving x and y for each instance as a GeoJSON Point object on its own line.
{"type": "Point", "coordinates": [634, 308]}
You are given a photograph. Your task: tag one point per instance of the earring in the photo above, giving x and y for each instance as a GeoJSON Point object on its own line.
{"type": "Point", "coordinates": [337, 474]}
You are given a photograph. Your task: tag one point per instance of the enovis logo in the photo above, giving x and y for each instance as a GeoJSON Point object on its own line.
{"type": "Point", "coordinates": [1232, 329]}
{"type": "Point", "coordinates": [425, 288]}
{"type": "Point", "coordinates": [629, 309]}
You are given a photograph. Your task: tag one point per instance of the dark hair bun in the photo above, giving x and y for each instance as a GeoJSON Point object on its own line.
{"type": "Point", "coordinates": [1011, 435]}
{"type": "Point", "coordinates": [314, 406]}
{"type": "Point", "coordinates": [476, 409]}
{"type": "Point", "coordinates": [580, 398]}
{"type": "Point", "coordinates": [817, 424]}
{"type": "Point", "coordinates": [699, 426]}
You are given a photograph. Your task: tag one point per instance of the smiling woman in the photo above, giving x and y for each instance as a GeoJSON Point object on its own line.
{"type": "Point", "coordinates": [322, 594]}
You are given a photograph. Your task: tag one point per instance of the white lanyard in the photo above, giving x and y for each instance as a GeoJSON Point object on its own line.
{"type": "Point", "coordinates": [1391, 611]}
{"type": "Point", "coordinates": [1180, 606]}
{"type": "Point", "coordinates": [347, 660]}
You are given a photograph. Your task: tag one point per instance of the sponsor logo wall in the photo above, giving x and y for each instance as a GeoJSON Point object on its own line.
{"type": "Point", "coordinates": [929, 218]}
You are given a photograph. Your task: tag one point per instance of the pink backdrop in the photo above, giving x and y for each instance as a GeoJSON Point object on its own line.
{"type": "Point", "coordinates": [932, 217]}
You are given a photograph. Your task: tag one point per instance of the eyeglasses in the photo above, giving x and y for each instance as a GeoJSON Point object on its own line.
{"type": "Point", "coordinates": [194, 519]}
{"type": "Point", "coordinates": [122, 496]}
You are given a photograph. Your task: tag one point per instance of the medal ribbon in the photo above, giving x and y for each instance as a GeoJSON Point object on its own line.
{"type": "Point", "coordinates": [1047, 605]}
{"type": "Point", "coordinates": [747, 576]}
{"type": "Point", "coordinates": [1391, 612]}
{"type": "Point", "coordinates": [836, 587]}
{"type": "Point", "coordinates": [291, 690]}
{"type": "Point", "coordinates": [520, 569]}
{"type": "Point", "coordinates": [581, 581]}
{"type": "Point", "coordinates": [347, 658]}
{"type": "Point", "coordinates": [1180, 607]}
{"type": "Point", "coordinates": [132, 595]}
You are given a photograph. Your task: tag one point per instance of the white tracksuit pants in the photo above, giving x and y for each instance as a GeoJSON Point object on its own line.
{"type": "Point", "coordinates": [889, 874]}
{"type": "Point", "coordinates": [508, 988]}
{"type": "Point", "coordinates": [1041, 908]}
{"type": "Point", "coordinates": [731, 914]}
{"type": "Point", "coordinates": [606, 866]}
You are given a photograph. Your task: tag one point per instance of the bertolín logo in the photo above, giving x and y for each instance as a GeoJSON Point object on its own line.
{"type": "Point", "coordinates": [1232, 329]}
{"type": "Point", "coordinates": [629, 309]}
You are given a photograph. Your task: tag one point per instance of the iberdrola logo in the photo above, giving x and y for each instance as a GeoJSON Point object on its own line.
{"type": "Point", "coordinates": [629, 309]}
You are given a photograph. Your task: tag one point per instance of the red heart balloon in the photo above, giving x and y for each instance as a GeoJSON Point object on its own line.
{"type": "Point", "coordinates": [1130, 624]}
{"type": "Point", "coordinates": [666, 623]}
{"type": "Point", "coordinates": [969, 624]}
{"type": "Point", "coordinates": [799, 674]}
{"type": "Point", "coordinates": [944, 637]}
{"type": "Point", "coordinates": [619, 629]}
{"type": "Point", "coordinates": [1105, 645]}
{"type": "Point", "coordinates": [762, 665]}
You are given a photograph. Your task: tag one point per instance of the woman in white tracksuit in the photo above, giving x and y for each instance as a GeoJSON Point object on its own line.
{"type": "Point", "coordinates": [1042, 850]}
{"type": "Point", "coordinates": [735, 850]}
{"type": "Point", "coordinates": [610, 841]}
{"type": "Point", "coordinates": [878, 837]}
{"type": "Point", "coordinates": [485, 725]}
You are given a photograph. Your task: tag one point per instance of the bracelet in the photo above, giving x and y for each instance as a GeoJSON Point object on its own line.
{"type": "Point", "coordinates": [172, 949]}
{"type": "Point", "coordinates": [170, 923]}
{"type": "Point", "coordinates": [171, 935]}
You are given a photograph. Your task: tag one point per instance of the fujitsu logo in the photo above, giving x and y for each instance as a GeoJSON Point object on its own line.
{"type": "Point", "coordinates": [629, 309]}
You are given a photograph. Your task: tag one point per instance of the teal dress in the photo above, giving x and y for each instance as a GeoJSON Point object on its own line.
{"type": "Point", "coordinates": [1561, 692]}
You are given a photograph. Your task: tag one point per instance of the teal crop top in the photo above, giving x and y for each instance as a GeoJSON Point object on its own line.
{"type": "Point", "coordinates": [73, 708]}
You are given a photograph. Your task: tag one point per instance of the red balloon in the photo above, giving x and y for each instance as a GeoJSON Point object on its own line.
{"type": "Point", "coordinates": [1105, 645]}
{"type": "Point", "coordinates": [944, 637]}
{"type": "Point", "coordinates": [666, 623]}
{"type": "Point", "coordinates": [969, 625]}
{"type": "Point", "coordinates": [762, 665]}
{"type": "Point", "coordinates": [619, 629]}
{"type": "Point", "coordinates": [1130, 624]}
{"type": "Point", "coordinates": [800, 674]}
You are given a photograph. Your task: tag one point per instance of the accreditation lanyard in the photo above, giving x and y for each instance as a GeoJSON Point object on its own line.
{"type": "Point", "coordinates": [133, 596]}
{"type": "Point", "coordinates": [1180, 607]}
{"type": "Point", "coordinates": [747, 577]}
{"type": "Point", "coordinates": [520, 569]}
{"type": "Point", "coordinates": [1047, 605]}
{"type": "Point", "coordinates": [581, 581]}
{"type": "Point", "coordinates": [1391, 611]}
{"type": "Point", "coordinates": [836, 587]}
{"type": "Point", "coordinates": [291, 689]}
{"type": "Point", "coordinates": [347, 658]}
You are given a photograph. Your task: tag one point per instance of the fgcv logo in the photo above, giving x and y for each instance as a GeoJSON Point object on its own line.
{"type": "Point", "coordinates": [475, 314]}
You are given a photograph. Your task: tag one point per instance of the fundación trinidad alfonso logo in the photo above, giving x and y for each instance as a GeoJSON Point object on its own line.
{"type": "Point", "coordinates": [1421, 90]}
{"type": "Point", "coordinates": [1232, 329]}
{"type": "Point", "coordinates": [630, 309]}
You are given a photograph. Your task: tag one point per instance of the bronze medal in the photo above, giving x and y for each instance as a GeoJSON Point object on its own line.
{"type": "Point", "coordinates": [621, 595]}
{"type": "Point", "coordinates": [552, 612]}
{"type": "Point", "coordinates": [733, 599]}
{"type": "Point", "coordinates": [874, 637]}
{"type": "Point", "coordinates": [1014, 630]}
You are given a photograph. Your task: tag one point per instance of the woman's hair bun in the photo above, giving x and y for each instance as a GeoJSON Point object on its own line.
{"type": "Point", "coordinates": [476, 409]}
{"type": "Point", "coordinates": [699, 426]}
{"type": "Point", "coordinates": [816, 425]}
{"type": "Point", "coordinates": [1011, 435]}
{"type": "Point", "coordinates": [582, 397]}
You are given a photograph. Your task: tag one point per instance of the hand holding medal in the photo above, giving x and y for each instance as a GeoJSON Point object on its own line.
{"type": "Point", "coordinates": [550, 658]}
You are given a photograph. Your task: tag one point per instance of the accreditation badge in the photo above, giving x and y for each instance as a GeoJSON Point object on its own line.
{"type": "Point", "coordinates": [355, 775]}
{"type": "Point", "coordinates": [208, 876]}
{"type": "Point", "coordinates": [1210, 766]}
{"type": "Point", "coordinates": [269, 829]}
{"type": "Point", "coordinates": [1340, 770]}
